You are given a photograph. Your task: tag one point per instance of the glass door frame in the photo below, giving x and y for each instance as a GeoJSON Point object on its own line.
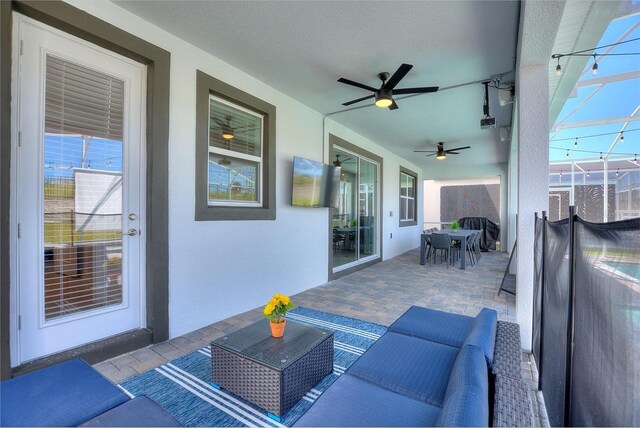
{"type": "Point", "coordinates": [360, 262]}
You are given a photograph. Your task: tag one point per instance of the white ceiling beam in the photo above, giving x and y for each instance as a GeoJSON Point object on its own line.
{"type": "Point", "coordinates": [558, 126]}
{"type": "Point", "coordinates": [624, 126]}
{"type": "Point", "coordinates": [595, 122]}
{"type": "Point", "coordinates": [609, 79]}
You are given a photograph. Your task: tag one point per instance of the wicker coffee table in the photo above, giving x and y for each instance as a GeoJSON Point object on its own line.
{"type": "Point", "coordinates": [272, 373]}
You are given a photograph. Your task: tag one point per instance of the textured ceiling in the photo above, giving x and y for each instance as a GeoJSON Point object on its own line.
{"type": "Point", "coordinates": [302, 48]}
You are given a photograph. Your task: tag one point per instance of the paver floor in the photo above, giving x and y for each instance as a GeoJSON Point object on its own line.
{"type": "Point", "coordinates": [379, 294]}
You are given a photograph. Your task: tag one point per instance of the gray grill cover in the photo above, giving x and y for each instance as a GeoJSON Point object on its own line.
{"type": "Point", "coordinates": [490, 234]}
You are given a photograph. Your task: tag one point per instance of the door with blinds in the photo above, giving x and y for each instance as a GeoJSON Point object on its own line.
{"type": "Point", "coordinates": [79, 196]}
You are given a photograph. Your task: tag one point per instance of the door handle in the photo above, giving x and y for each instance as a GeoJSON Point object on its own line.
{"type": "Point", "coordinates": [131, 232]}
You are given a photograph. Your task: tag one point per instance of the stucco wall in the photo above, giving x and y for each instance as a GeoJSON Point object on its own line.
{"type": "Point", "coordinates": [221, 268]}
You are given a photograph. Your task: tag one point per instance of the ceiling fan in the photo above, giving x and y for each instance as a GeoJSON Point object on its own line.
{"type": "Point", "coordinates": [228, 131]}
{"type": "Point", "coordinates": [384, 95]}
{"type": "Point", "coordinates": [441, 153]}
{"type": "Point", "coordinates": [338, 162]}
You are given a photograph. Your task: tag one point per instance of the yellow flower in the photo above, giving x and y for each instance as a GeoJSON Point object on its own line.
{"type": "Point", "coordinates": [277, 307]}
{"type": "Point", "coordinates": [281, 298]}
{"type": "Point", "coordinates": [268, 309]}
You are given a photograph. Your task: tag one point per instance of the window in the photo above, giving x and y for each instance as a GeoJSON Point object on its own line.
{"type": "Point", "coordinates": [235, 149]}
{"type": "Point", "coordinates": [235, 153]}
{"type": "Point", "coordinates": [408, 191]}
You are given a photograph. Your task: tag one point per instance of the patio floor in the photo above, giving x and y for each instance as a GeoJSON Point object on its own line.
{"type": "Point", "coordinates": [379, 294]}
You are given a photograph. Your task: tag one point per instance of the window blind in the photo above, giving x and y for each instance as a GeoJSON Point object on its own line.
{"type": "Point", "coordinates": [82, 101]}
{"type": "Point", "coordinates": [83, 154]}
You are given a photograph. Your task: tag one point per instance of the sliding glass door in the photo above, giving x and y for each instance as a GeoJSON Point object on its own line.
{"type": "Point", "coordinates": [355, 221]}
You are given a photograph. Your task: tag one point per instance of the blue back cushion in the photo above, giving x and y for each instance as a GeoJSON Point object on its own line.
{"type": "Point", "coordinates": [409, 366]}
{"type": "Point", "coordinates": [351, 401]}
{"type": "Point", "coordinates": [466, 402]}
{"type": "Point", "coordinates": [437, 326]}
{"type": "Point", "coordinates": [483, 333]}
{"type": "Point", "coordinates": [66, 394]}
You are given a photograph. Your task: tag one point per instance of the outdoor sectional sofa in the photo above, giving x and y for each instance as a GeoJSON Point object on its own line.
{"type": "Point", "coordinates": [431, 368]}
{"type": "Point", "coordinates": [74, 394]}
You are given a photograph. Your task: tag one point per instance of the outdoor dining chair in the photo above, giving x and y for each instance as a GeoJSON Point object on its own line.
{"type": "Point", "coordinates": [442, 242]}
{"type": "Point", "coordinates": [427, 242]}
{"type": "Point", "coordinates": [472, 247]}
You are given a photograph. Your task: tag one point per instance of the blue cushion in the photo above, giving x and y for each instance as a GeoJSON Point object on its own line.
{"type": "Point", "coordinates": [483, 333]}
{"type": "Point", "coordinates": [139, 412]}
{"type": "Point", "coordinates": [443, 327]}
{"type": "Point", "coordinates": [65, 394]}
{"type": "Point", "coordinates": [409, 366]}
{"type": "Point", "coordinates": [351, 401]}
{"type": "Point", "coordinates": [466, 402]}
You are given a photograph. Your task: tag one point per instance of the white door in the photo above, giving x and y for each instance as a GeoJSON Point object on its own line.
{"type": "Point", "coordinates": [78, 168]}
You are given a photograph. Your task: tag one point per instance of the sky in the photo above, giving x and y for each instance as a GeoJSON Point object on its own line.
{"type": "Point", "coordinates": [63, 153]}
{"type": "Point", "coordinates": [616, 99]}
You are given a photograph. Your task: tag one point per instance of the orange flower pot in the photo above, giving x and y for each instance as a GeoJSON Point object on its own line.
{"type": "Point", "coordinates": [277, 328]}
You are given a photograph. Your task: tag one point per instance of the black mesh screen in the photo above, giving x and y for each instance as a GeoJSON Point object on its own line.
{"type": "Point", "coordinates": [537, 288]}
{"type": "Point", "coordinates": [555, 309]}
{"type": "Point", "coordinates": [605, 387]}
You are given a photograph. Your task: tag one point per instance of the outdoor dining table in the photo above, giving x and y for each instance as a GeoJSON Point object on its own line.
{"type": "Point", "coordinates": [457, 235]}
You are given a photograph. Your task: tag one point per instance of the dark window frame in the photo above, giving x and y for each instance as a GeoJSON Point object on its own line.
{"type": "Point", "coordinates": [205, 86]}
{"type": "Point", "coordinates": [337, 141]}
{"type": "Point", "coordinates": [401, 222]}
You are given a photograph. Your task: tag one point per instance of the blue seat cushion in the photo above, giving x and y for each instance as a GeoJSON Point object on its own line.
{"type": "Point", "coordinates": [139, 412]}
{"type": "Point", "coordinates": [409, 366]}
{"type": "Point", "coordinates": [437, 326]}
{"type": "Point", "coordinates": [66, 394]}
{"type": "Point", "coordinates": [466, 402]}
{"type": "Point", "coordinates": [483, 333]}
{"type": "Point", "coordinates": [351, 401]}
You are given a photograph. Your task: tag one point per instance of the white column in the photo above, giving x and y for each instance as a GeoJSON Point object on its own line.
{"type": "Point", "coordinates": [533, 181]}
{"type": "Point", "coordinates": [572, 199]}
{"type": "Point", "coordinates": [605, 191]}
{"type": "Point", "coordinates": [539, 23]}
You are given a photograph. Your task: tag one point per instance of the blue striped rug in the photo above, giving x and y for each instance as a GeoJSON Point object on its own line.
{"type": "Point", "coordinates": [183, 386]}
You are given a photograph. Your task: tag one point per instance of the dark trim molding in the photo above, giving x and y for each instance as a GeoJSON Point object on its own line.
{"type": "Point", "coordinates": [81, 24]}
{"type": "Point", "coordinates": [206, 85]}
{"type": "Point", "coordinates": [93, 352]}
{"type": "Point", "coordinates": [415, 197]}
{"type": "Point", "coordinates": [5, 164]}
{"type": "Point", "coordinates": [337, 141]}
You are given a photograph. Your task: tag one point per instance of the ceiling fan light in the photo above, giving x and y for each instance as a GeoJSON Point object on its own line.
{"type": "Point", "coordinates": [383, 99]}
{"type": "Point", "coordinates": [441, 155]}
{"type": "Point", "coordinates": [227, 134]}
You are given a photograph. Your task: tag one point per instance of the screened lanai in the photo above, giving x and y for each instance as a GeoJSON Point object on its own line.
{"type": "Point", "coordinates": [594, 142]}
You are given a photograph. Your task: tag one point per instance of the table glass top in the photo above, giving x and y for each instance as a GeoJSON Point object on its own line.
{"type": "Point", "coordinates": [255, 342]}
{"type": "Point", "coordinates": [459, 232]}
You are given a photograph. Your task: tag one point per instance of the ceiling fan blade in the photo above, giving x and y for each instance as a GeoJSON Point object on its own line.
{"type": "Point", "coordinates": [424, 90]}
{"type": "Point", "coordinates": [458, 148]}
{"type": "Point", "coordinates": [397, 76]}
{"type": "Point", "coordinates": [356, 84]}
{"type": "Point", "coordinates": [432, 154]}
{"type": "Point", "coordinates": [452, 153]}
{"type": "Point", "coordinates": [348, 103]}
{"type": "Point", "coordinates": [393, 106]}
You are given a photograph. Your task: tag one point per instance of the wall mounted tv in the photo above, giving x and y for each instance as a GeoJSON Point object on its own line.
{"type": "Point", "coordinates": [314, 184]}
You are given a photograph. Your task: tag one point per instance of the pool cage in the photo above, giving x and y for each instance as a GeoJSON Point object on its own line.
{"type": "Point", "coordinates": [601, 190]}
